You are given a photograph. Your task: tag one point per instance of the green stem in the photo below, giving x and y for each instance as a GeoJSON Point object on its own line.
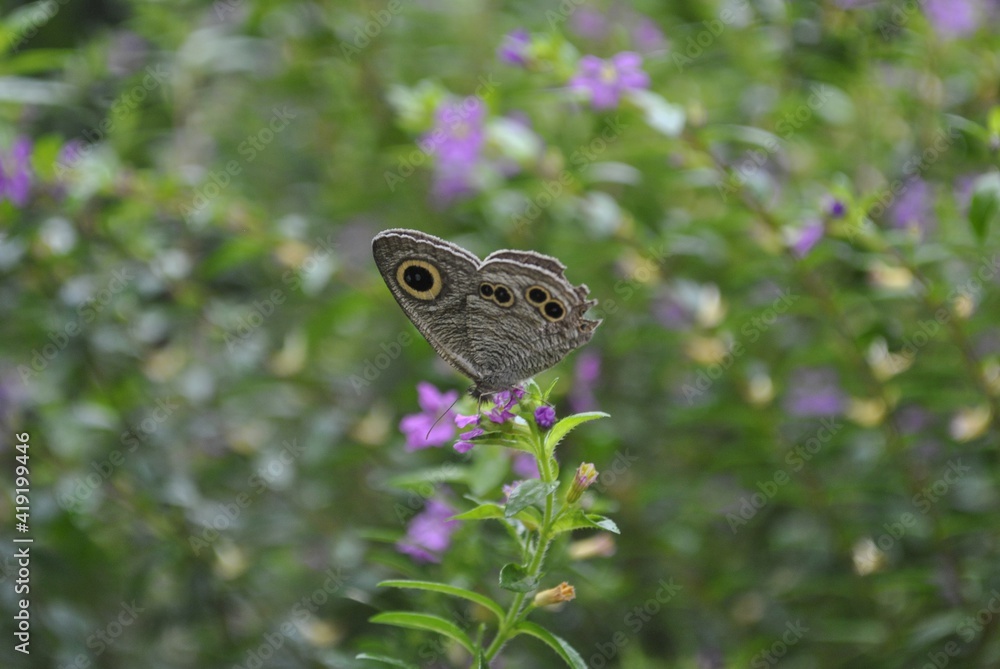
{"type": "Point", "coordinates": [514, 613]}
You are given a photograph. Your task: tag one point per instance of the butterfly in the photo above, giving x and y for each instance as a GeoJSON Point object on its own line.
{"type": "Point", "coordinates": [499, 321]}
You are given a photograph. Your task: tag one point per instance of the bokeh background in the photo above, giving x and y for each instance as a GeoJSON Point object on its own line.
{"type": "Point", "coordinates": [790, 231]}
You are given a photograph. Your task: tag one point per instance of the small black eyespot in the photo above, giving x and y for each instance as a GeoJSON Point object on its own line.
{"type": "Point", "coordinates": [537, 295]}
{"type": "Point", "coordinates": [554, 310]}
{"type": "Point", "coordinates": [501, 295]}
{"type": "Point", "coordinates": [486, 290]}
{"type": "Point", "coordinates": [418, 278]}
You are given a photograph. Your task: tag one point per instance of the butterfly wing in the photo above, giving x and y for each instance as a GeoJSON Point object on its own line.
{"type": "Point", "coordinates": [524, 317]}
{"type": "Point", "coordinates": [431, 280]}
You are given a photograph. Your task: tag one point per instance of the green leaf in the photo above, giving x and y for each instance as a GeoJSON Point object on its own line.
{"type": "Point", "coordinates": [985, 204]}
{"type": "Point", "coordinates": [425, 621]}
{"type": "Point", "coordinates": [562, 649]}
{"type": "Point", "coordinates": [577, 519]}
{"type": "Point", "coordinates": [481, 512]}
{"type": "Point", "coordinates": [515, 578]}
{"type": "Point", "coordinates": [563, 427]}
{"type": "Point", "coordinates": [532, 491]}
{"type": "Point", "coordinates": [431, 475]}
{"type": "Point", "coordinates": [385, 660]}
{"type": "Point", "coordinates": [445, 589]}
{"type": "Point", "coordinates": [530, 516]}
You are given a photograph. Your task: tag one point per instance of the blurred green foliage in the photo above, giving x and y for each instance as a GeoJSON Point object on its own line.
{"type": "Point", "coordinates": [802, 449]}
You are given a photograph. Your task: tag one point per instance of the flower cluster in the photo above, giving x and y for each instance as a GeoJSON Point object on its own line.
{"type": "Point", "coordinates": [15, 172]}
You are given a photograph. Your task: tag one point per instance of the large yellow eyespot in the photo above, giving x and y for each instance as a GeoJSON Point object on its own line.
{"type": "Point", "coordinates": [536, 295]}
{"type": "Point", "coordinates": [419, 278]}
{"type": "Point", "coordinates": [553, 311]}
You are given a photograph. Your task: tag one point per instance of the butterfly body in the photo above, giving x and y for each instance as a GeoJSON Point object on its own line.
{"type": "Point", "coordinates": [500, 320]}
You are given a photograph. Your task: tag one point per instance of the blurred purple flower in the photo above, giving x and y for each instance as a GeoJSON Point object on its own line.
{"type": "Point", "coordinates": [545, 417]}
{"type": "Point", "coordinates": [589, 23]}
{"type": "Point", "coordinates": [952, 18]}
{"type": "Point", "coordinates": [913, 419]}
{"type": "Point", "coordinates": [672, 313]}
{"type": "Point", "coordinates": [964, 186]}
{"type": "Point", "coordinates": [457, 139]}
{"type": "Point", "coordinates": [524, 465]}
{"type": "Point", "coordinates": [647, 36]}
{"type": "Point", "coordinates": [814, 392]}
{"type": "Point", "coordinates": [429, 533]}
{"type": "Point", "coordinates": [913, 207]}
{"type": "Point", "coordinates": [513, 49]}
{"type": "Point", "coordinates": [586, 373]}
{"type": "Point", "coordinates": [15, 172]}
{"type": "Point", "coordinates": [807, 237]}
{"type": "Point", "coordinates": [605, 81]}
{"type": "Point", "coordinates": [423, 429]}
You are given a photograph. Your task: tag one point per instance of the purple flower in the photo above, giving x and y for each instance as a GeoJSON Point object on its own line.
{"type": "Point", "coordinates": [604, 81]}
{"type": "Point", "coordinates": [586, 373]}
{"type": "Point", "coordinates": [647, 36]}
{"type": "Point", "coordinates": [589, 23]}
{"type": "Point", "coordinates": [807, 237]}
{"type": "Point", "coordinates": [503, 401]}
{"type": "Point", "coordinates": [524, 465]}
{"type": "Point", "coordinates": [457, 139]}
{"type": "Point", "coordinates": [458, 134]}
{"type": "Point", "coordinates": [913, 207]}
{"type": "Point", "coordinates": [952, 18]}
{"type": "Point", "coordinates": [814, 392]}
{"type": "Point", "coordinates": [545, 416]}
{"type": "Point", "coordinates": [465, 421]}
{"type": "Point", "coordinates": [835, 208]}
{"type": "Point", "coordinates": [424, 429]}
{"type": "Point", "coordinates": [464, 443]}
{"type": "Point", "coordinates": [429, 532]}
{"type": "Point", "coordinates": [15, 172]}
{"type": "Point", "coordinates": [513, 49]}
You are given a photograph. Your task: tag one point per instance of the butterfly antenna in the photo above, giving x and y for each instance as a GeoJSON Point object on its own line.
{"type": "Point", "coordinates": [438, 419]}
